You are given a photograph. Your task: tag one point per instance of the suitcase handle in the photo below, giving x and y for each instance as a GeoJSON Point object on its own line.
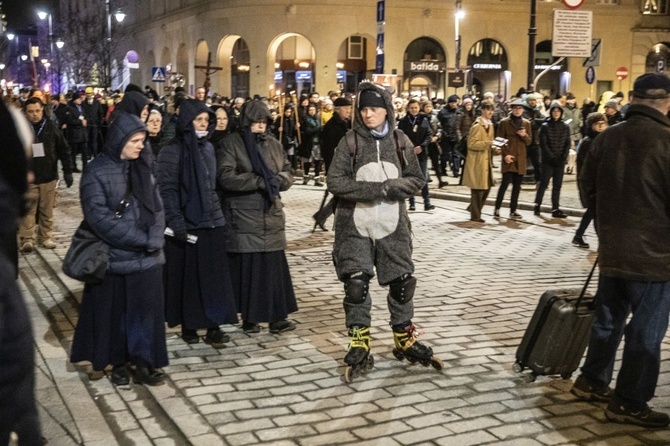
{"type": "Point", "coordinates": [586, 285]}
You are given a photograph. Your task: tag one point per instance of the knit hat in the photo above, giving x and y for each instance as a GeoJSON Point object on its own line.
{"type": "Point", "coordinates": [370, 98]}
{"type": "Point", "coordinates": [467, 101]}
{"type": "Point", "coordinates": [592, 118]}
{"type": "Point", "coordinates": [569, 96]}
{"type": "Point", "coordinates": [453, 98]}
{"type": "Point", "coordinates": [89, 90]}
{"type": "Point", "coordinates": [652, 81]}
{"type": "Point", "coordinates": [76, 95]}
{"type": "Point", "coordinates": [342, 102]}
{"type": "Point", "coordinates": [612, 103]}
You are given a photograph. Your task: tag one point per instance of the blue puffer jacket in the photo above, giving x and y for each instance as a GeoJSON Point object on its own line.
{"type": "Point", "coordinates": [171, 174]}
{"type": "Point", "coordinates": [103, 186]}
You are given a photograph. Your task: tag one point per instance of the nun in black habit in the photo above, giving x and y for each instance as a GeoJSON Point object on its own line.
{"type": "Point", "coordinates": [121, 318]}
{"type": "Point", "coordinates": [197, 278]}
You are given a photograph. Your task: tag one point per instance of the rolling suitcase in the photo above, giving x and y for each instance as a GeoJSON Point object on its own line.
{"type": "Point", "coordinates": [558, 333]}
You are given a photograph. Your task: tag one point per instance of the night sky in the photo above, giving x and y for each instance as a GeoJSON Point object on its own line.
{"type": "Point", "coordinates": [22, 14]}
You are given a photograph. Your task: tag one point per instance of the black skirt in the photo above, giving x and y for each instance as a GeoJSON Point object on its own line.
{"type": "Point", "coordinates": [199, 293]}
{"type": "Point", "coordinates": [262, 285]}
{"type": "Point", "coordinates": [121, 320]}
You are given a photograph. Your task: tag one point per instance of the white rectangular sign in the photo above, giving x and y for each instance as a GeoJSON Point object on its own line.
{"type": "Point", "coordinates": [572, 33]}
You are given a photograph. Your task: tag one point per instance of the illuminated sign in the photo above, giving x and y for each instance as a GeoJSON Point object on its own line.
{"type": "Point", "coordinates": [544, 67]}
{"type": "Point", "coordinates": [433, 67]}
{"type": "Point", "coordinates": [279, 75]}
{"type": "Point", "coordinates": [303, 76]}
{"type": "Point", "coordinates": [487, 66]}
{"type": "Point", "coordinates": [341, 75]}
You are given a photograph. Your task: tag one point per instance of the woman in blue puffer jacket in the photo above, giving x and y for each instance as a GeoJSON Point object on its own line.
{"type": "Point", "coordinates": [121, 319]}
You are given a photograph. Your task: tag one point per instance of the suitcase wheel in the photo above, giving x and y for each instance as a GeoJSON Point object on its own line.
{"type": "Point", "coordinates": [517, 367]}
{"type": "Point", "coordinates": [530, 377]}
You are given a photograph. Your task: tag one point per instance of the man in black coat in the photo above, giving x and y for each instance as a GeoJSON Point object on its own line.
{"type": "Point", "coordinates": [49, 146]}
{"type": "Point", "coordinates": [626, 181]}
{"type": "Point", "coordinates": [417, 127]}
{"type": "Point", "coordinates": [331, 134]}
{"type": "Point", "coordinates": [93, 114]}
{"type": "Point", "coordinates": [18, 411]}
{"type": "Point", "coordinates": [77, 132]}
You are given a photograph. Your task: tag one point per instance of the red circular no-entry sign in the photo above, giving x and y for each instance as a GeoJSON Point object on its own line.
{"type": "Point", "coordinates": [573, 4]}
{"type": "Point", "coordinates": [622, 73]}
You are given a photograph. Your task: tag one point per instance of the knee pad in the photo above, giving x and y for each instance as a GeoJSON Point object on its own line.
{"type": "Point", "coordinates": [356, 288]}
{"type": "Point", "coordinates": [402, 289]}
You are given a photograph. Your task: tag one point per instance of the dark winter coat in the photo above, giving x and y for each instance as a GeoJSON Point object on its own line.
{"type": "Point", "coordinates": [420, 137]}
{"type": "Point", "coordinates": [103, 186]}
{"type": "Point", "coordinates": [56, 148]}
{"type": "Point", "coordinates": [465, 121]}
{"type": "Point", "coordinates": [170, 177]}
{"type": "Point", "coordinates": [310, 127]}
{"type": "Point", "coordinates": [555, 140]}
{"type": "Point", "coordinates": [250, 229]}
{"type": "Point", "coordinates": [626, 179]}
{"type": "Point", "coordinates": [332, 133]}
{"type": "Point", "coordinates": [75, 132]}
{"type": "Point", "coordinates": [449, 122]}
{"type": "Point", "coordinates": [92, 112]}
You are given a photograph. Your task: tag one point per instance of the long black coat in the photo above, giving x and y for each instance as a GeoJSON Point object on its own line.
{"type": "Point", "coordinates": [75, 132]}
{"type": "Point", "coordinates": [331, 134]}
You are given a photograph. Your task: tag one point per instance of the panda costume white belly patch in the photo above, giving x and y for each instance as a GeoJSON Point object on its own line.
{"type": "Point", "coordinates": [376, 219]}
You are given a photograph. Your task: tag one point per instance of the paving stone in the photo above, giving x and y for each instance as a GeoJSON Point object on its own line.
{"type": "Point", "coordinates": [529, 428]}
{"type": "Point", "coordinates": [467, 439]}
{"type": "Point", "coordinates": [571, 435]}
{"type": "Point", "coordinates": [381, 430]}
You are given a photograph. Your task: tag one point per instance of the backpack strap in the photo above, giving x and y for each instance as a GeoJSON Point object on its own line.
{"type": "Point", "coordinates": [400, 135]}
{"type": "Point", "coordinates": [352, 145]}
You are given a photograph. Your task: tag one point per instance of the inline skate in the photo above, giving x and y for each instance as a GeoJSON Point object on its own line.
{"type": "Point", "coordinates": [408, 347]}
{"type": "Point", "coordinates": [358, 359]}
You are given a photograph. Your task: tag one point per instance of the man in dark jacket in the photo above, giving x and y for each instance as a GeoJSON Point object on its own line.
{"type": "Point", "coordinates": [627, 181]}
{"type": "Point", "coordinates": [18, 411]}
{"type": "Point", "coordinates": [93, 114]}
{"type": "Point", "coordinates": [77, 132]}
{"type": "Point", "coordinates": [448, 118]}
{"type": "Point", "coordinates": [49, 146]}
{"type": "Point", "coordinates": [417, 127]}
{"type": "Point", "coordinates": [331, 134]}
{"type": "Point", "coordinates": [532, 113]}
{"type": "Point", "coordinates": [555, 146]}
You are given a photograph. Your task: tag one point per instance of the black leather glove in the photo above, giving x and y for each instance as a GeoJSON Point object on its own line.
{"type": "Point", "coordinates": [68, 179]}
{"type": "Point", "coordinates": [180, 235]}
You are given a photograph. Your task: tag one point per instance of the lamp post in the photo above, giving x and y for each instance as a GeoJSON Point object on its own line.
{"type": "Point", "coordinates": [47, 15]}
{"type": "Point", "coordinates": [532, 32]}
{"type": "Point", "coordinates": [458, 16]}
{"type": "Point", "coordinates": [59, 45]}
{"type": "Point", "coordinates": [119, 16]}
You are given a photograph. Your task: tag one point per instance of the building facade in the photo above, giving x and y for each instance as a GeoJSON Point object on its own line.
{"type": "Point", "coordinates": [265, 46]}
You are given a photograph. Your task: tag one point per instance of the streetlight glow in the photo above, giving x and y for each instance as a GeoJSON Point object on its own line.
{"type": "Point", "coordinates": [119, 16]}
{"type": "Point", "coordinates": [60, 44]}
{"type": "Point", "coordinates": [2, 66]}
{"type": "Point", "coordinates": [460, 14]}
{"type": "Point", "coordinates": [24, 57]}
{"type": "Point", "coordinates": [11, 36]}
{"type": "Point", "coordinates": [42, 15]}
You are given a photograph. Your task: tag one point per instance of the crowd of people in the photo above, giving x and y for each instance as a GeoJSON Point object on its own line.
{"type": "Point", "coordinates": [186, 193]}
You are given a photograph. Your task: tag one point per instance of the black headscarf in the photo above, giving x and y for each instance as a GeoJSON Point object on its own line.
{"type": "Point", "coordinates": [194, 197]}
{"type": "Point", "coordinates": [120, 131]}
{"type": "Point", "coordinates": [251, 112]}
{"type": "Point", "coordinates": [133, 102]}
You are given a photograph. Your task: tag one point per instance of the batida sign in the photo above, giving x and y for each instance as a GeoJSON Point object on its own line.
{"type": "Point", "coordinates": [433, 67]}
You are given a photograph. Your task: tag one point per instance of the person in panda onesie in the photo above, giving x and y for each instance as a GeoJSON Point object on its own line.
{"type": "Point", "coordinates": [373, 172]}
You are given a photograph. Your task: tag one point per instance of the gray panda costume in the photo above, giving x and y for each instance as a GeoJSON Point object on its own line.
{"type": "Point", "coordinates": [371, 181]}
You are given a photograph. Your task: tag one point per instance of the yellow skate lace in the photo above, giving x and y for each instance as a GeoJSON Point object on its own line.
{"type": "Point", "coordinates": [409, 336]}
{"type": "Point", "coordinates": [360, 337]}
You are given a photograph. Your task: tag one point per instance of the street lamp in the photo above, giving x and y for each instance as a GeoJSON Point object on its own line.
{"type": "Point", "coordinates": [60, 44]}
{"type": "Point", "coordinates": [119, 16]}
{"type": "Point", "coordinates": [43, 15]}
{"type": "Point", "coordinates": [458, 16]}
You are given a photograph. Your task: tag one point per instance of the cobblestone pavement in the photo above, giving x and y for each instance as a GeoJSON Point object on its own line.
{"type": "Point", "coordinates": [478, 286]}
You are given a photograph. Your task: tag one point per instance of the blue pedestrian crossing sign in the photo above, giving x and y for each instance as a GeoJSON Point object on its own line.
{"type": "Point", "coordinates": [590, 75]}
{"type": "Point", "coordinates": [158, 74]}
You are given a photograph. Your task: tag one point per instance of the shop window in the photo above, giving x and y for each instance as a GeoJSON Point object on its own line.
{"type": "Point", "coordinates": [655, 7]}
{"type": "Point", "coordinates": [356, 47]}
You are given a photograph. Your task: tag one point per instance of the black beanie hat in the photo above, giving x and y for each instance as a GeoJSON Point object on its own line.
{"type": "Point", "coordinates": [370, 98]}
{"type": "Point", "coordinates": [652, 86]}
{"type": "Point", "coordinates": [341, 102]}
{"type": "Point", "coordinates": [453, 98]}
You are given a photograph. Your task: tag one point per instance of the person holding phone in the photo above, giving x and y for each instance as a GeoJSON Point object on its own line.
{"type": "Point", "coordinates": [517, 130]}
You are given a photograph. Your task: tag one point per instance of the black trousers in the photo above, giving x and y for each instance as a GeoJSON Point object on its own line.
{"type": "Point", "coordinates": [555, 174]}
{"type": "Point", "coordinates": [507, 178]}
